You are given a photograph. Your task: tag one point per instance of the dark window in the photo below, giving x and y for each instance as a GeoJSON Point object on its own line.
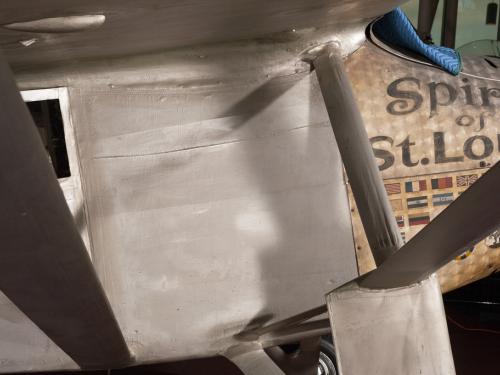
{"type": "Point", "coordinates": [48, 120]}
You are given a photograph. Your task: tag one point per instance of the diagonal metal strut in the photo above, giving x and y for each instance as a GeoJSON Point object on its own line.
{"type": "Point", "coordinates": [44, 267]}
{"type": "Point", "coordinates": [371, 198]}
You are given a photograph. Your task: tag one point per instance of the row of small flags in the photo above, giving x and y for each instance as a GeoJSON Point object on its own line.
{"type": "Point", "coordinates": [442, 199]}
{"type": "Point", "coordinates": [436, 183]}
{"type": "Point", "coordinates": [418, 202]}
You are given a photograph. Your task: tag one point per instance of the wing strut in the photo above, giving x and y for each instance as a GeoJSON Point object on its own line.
{"type": "Point", "coordinates": [374, 208]}
{"type": "Point", "coordinates": [44, 267]}
{"type": "Point", "coordinates": [377, 320]}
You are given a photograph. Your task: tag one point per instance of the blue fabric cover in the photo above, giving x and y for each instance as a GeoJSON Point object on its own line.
{"type": "Point", "coordinates": [397, 29]}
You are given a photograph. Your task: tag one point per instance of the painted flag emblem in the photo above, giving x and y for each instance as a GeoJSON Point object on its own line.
{"type": "Point", "coordinates": [419, 219]}
{"type": "Point", "coordinates": [394, 188]}
{"type": "Point", "coordinates": [400, 220]}
{"type": "Point", "coordinates": [465, 255]}
{"type": "Point", "coordinates": [442, 199]}
{"type": "Point", "coordinates": [417, 202]}
{"type": "Point", "coordinates": [414, 186]}
{"type": "Point", "coordinates": [466, 180]}
{"type": "Point", "coordinates": [397, 204]}
{"type": "Point", "coordinates": [442, 183]}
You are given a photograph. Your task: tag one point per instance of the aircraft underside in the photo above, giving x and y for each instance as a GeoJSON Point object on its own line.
{"type": "Point", "coordinates": [227, 194]}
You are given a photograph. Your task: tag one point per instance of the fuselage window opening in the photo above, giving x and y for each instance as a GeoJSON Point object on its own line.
{"type": "Point", "coordinates": [50, 109]}
{"type": "Point", "coordinates": [48, 120]}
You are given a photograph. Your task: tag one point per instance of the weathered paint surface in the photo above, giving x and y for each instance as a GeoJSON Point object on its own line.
{"type": "Point", "coordinates": [422, 120]}
{"type": "Point", "coordinates": [427, 125]}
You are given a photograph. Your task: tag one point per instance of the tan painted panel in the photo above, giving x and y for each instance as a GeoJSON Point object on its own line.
{"type": "Point", "coordinates": [395, 97]}
{"type": "Point", "coordinates": [405, 140]}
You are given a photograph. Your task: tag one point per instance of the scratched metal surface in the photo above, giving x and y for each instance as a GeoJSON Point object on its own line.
{"type": "Point", "coordinates": [214, 190]}
{"type": "Point", "coordinates": [155, 25]}
{"type": "Point", "coordinates": [211, 208]}
{"type": "Point", "coordinates": [469, 129]}
{"type": "Point", "coordinates": [410, 319]}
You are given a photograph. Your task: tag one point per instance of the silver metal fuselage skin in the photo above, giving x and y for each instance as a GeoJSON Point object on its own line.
{"type": "Point", "coordinates": [212, 184]}
{"type": "Point", "coordinates": [213, 191]}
